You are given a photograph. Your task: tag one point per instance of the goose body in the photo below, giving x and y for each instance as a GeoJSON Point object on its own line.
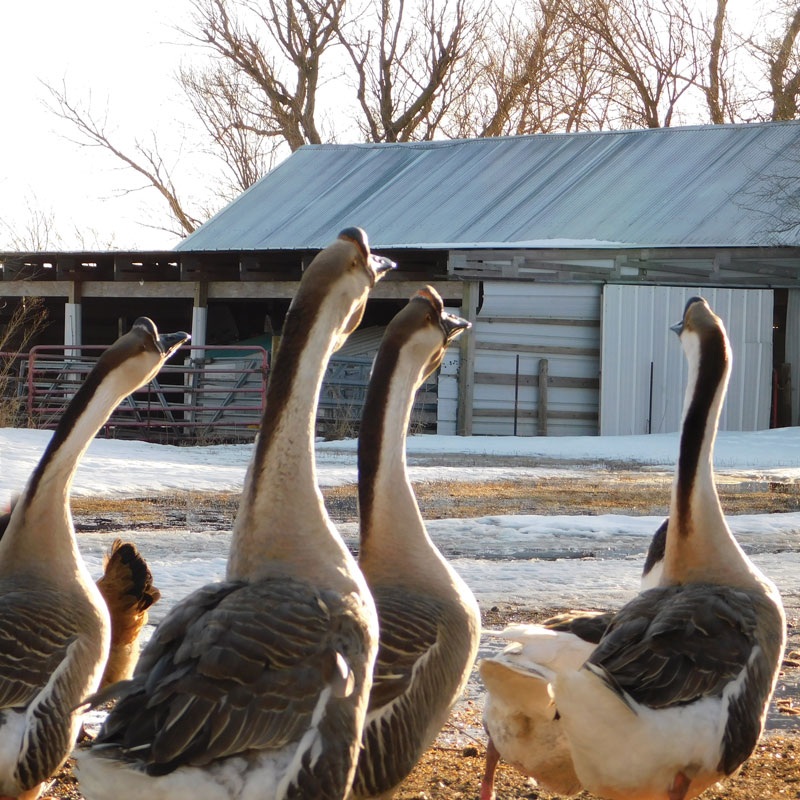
{"type": "Point", "coordinates": [54, 624]}
{"type": "Point", "coordinates": [674, 696]}
{"type": "Point", "coordinates": [256, 687]}
{"type": "Point", "coordinates": [519, 715]}
{"type": "Point", "coordinates": [429, 619]}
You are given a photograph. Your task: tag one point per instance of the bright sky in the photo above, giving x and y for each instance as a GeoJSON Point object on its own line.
{"type": "Point", "coordinates": [125, 55]}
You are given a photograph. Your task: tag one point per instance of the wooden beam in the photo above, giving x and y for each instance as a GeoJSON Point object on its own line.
{"type": "Point", "coordinates": [537, 349]}
{"type": "Point", "coordinates": [217, 290]}
{"type": "Point", "coordinates": [542, 409]}
{"type": "Point", "coordinates": [579, 323]}
{"type": "Point", "coordinates": [466, 367]}
{"type": "Point", "coordinates": [507, 379]}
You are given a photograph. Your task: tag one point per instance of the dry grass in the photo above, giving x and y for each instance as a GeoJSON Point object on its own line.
{"type": "Point", "coordinates": [625, 494]}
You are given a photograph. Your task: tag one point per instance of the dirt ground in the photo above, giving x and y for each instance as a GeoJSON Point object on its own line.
{"type": "Point", "coordinates": [452, 768]}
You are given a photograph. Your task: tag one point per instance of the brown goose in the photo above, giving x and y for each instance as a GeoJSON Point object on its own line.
{"type": "Point", "coordinates": [258, 686]}
{"type": "Point", "coordinates": [429, 619]}
{"type": "Point", "coordinates": [54, 624]}
{"type": "Point", "coordinates": [126, 586]}
{"type": "Point", "coordinates": [674, 696]}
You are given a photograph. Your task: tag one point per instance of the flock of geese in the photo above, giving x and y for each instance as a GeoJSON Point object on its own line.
{"type": "Point", "coordinates": [306, 674]}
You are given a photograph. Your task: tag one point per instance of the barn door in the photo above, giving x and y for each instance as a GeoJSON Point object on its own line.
{"type": "Point", "coordinates": [643, 371]}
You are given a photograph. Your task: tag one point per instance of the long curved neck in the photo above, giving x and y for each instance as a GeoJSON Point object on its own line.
{"type": "Point", "coordinates": [700, 546]}
{"type": "Point", "coordinates": [42, 521]}
{"type": "Point", "coordinates": [395, 545]}
{"type": "Point", "coordinates": [282, 517]}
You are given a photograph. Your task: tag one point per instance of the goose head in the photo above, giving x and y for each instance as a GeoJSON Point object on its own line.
{"type": "Point", "coordinates": [705, 343]}
{"type": "Point", "coordinates": [425, 329]}
{"type": "Point", "coordinates": [142, 351]}
{"type": "Point", "coordinates": [339, 279]}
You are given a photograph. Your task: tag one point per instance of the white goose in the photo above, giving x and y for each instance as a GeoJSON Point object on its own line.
{"type": "Point", "coordinates": [257, 687]}
{"type": "Point", "coordinates": [54, 624]}
{"type": "Point", "coordinates": [429, 619]}
{"type": "Point", "coordinates": [674, 696]}
{"type": "Point", "coordinates": [518, 714]}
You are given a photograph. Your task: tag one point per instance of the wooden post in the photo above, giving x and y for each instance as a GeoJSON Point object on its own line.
{"type": "Point", "coordinates": [541, 412]}
{"type": "Point", "coordinates": [466, 367]}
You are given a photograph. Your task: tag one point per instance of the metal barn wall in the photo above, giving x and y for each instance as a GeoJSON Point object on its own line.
{"type": "Point", "coordinates": [635, 332]}
{"type": "Point", "coordinates": [447, 407]}
{"type": "Point", "coordinates": [793, 349]}
{"type": "Point", "coordinates": [535, 321]}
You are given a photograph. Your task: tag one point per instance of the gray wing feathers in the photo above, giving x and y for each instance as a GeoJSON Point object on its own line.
{"type": "Point", "coordinates": [235, 668]}
{"type": "Point", "coordinates": [44, 667]}
{"type": "Point", "coordinates": [35, 631]}
{"type": "Point", "coordinates": [422, 656]}
{"type": "Point", "coordinates": [587, 625]}
{"type": "Point", "coordinates": [671, 646]}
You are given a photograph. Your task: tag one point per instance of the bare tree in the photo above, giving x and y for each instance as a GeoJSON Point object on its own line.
{"type": "Point", "coordinates": [784, 68]}
{"type": "Point", "coordinates": [146, 160]}
{"type": "Point", "coordinates": [27, 319]}
{"type": "Point", "coordinates": [539, 75]}
{"type": "Point", "coordinates": [273, 53]}
{"type": "Point", "coordinates": [648, 50]}
{"type": "Point", "coordinates": [224, 106]}
{"type": "Point", "coordinates": [35, 231]}
{"type": "Point", "coordinates": [716, 88]}
{"type": "Point", "coordinates": [413, 63]}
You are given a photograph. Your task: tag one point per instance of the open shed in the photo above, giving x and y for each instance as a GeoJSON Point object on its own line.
{"type": "Point", "coordinates": [571, 254]}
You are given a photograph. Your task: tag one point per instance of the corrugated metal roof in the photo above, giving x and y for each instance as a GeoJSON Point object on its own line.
{"type": "Point", "coordinates": [693, 186]}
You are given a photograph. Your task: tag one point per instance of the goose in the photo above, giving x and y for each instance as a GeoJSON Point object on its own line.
{"type": "Point", "coordinates": [429, 619]}
{"type": "Point", "coordinates": [126, 586]}
{"type": "Point", "coordinates": [54, 624]}
{"type": "Point", "coordinates": [518, 714]}
{"type": "Point", "coordinates": [674, 696]}
{"type": "Point", "coordinates": [257, 686]}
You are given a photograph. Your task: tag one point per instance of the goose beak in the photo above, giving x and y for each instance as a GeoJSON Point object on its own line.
{"type": "Point", "coordinates": [381, 264]}
{"type": "Point", "coordinates": [453, 325]}
{"type": "Point", "coordinates": [169, 342]}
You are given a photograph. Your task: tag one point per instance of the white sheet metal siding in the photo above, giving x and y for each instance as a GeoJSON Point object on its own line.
{"type": "Point", "coordinates": [493, 405]}
{"type": "Point", "coordinates": [793, 349]}
{"type": "Point", "coordinates": [635, 332]}
{"type": "Point", "coordinates": [447, 408]}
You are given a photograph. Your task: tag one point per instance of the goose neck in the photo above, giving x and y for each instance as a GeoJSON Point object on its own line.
{"type": "Point", "coordinates": [282, 515]}
{"type": "Point", "coordinates": [42, 521]}
{"type": "Point", "coordinates": [700, 545]}
{"type": "Point", "coordinates": [393, 535]}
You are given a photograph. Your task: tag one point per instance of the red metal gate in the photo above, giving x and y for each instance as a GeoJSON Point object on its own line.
{"type": "Point", "coordinates": [211, 398]}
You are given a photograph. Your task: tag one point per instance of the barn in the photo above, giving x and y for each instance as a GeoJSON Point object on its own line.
{"type": "Point", "coordinates": [570, 253]}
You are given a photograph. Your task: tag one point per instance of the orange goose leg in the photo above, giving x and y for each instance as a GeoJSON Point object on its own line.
{"type": "Point", "coordinates": [679, 787]}
{"type": "Point", "coordinates": [487, 784]}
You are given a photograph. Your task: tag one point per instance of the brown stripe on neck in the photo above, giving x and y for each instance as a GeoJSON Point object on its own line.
{"type": "Point", "coordinates": [711, 371]}
{"type": "Point", "coordinates": [373, 422]}
{"type": "Point", "coordinates": [297, 329]}
{"type": "Point", "coordinates": [107, 363]}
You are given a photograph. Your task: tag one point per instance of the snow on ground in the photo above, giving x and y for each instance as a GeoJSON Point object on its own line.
{"type": "Point", "coordinates": [533, 560]}
{"type": "Point", "coordinates": [530, 560]}
{"type": "Point", "coordinates": [135, 469]}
